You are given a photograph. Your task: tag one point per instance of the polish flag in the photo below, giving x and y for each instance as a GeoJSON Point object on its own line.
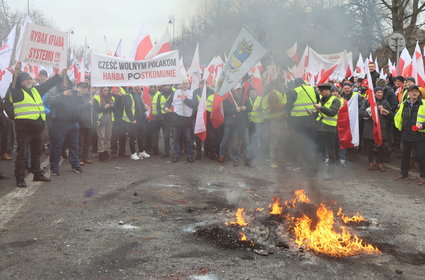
{"type": "Point", "coordinates": [183, 69]}
{"type": "Point", "coordinates": [141, 45]}
{"type": "Point", "coordinates": [163, 45]}
{"type": "Point", "coordinates": [217, 113]}
{"type": "Point", "coordinates": [376, 63]}
{"type": "Point", "coordinates": [34, 70]}
{"type": "Point", "coordinates": [377, 134]}
{"type": "Point", "coordinates": [6, 78]}
{"type": "Point", "coordinates": [211, 70]}
{"type": "Point", "coordinates": [418, 67]}
{"type": "Point", "coordinates": [118, 50]}
{"type": "Point", "coordinates": [405, 64]}
{"type": "Point", "coordinates": [326, 74]}
{"type": "Point", "coordinates": [201, 116]}
{"type": "Point", "coordinates": [382, 74]}
{"type": "Point", "coordinates": [195, 69]}
{"type": "Point", "coordinates": [257, 82]}
{"type": "Point", "coordinates": [391, 68]}
{"type": "Point", "coordinates": [348, 123]}
{"type": "Point", "coordinates": [360, 67]}
{"type": "Point", "coordinates": [293, 52]}
{"type": "Point", "coordinates": [6, 48]}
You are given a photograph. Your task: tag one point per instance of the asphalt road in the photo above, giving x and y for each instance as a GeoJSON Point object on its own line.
{"type": "Point", "coordinates": [138, 220]}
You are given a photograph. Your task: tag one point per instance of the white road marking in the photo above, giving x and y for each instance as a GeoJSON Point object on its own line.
{"type": "Point", "coordinates": [14, 200]}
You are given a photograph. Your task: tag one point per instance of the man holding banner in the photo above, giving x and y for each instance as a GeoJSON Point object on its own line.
{"type": "Point", "coordinates": [26, 106]}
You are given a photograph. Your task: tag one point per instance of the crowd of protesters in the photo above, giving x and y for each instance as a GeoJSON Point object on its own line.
{"type": "Point", "coordinates": [290, 122]}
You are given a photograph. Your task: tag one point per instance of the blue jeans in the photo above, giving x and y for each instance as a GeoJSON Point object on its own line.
{"type": "Point", "coordinates": [225, 140]}
{"type": "Point", "coordinates": [60, 132]}
{"type": "Point", "coordinates": [185, 133]}
{"type": "Point", "coordinates": [240, 134]}
{"type": "Point", "coordinates": [235, 133]}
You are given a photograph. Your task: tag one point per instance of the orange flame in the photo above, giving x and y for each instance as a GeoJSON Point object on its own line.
{"type": "Point", "coordinates": [275, 207]}
{"type": "Point", "coordinates": [300, 196]}
{"type": "Point", "coordinates": [240, 221]}
{"type": "Point", "coordinates": [259, 209]}
{"type": "Point", "coordinates": [357, 218]}
{"type": "Point", "coordinates": [324, 239]}
{"type": "Point", "coordinates": [243, 237]}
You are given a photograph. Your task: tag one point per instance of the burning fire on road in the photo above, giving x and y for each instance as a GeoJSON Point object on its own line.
{"type": "Point", "coordinates": [316, 228]}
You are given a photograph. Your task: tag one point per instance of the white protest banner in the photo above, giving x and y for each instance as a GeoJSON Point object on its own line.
{"type": "Point", "coordinates": [43, 45]}
{"type": "Point", "coordinates": [245, 53]}
{"type": "Point", "coordinates": [108, 71]}
{"type": "Point", "coordinates": [6, 49]}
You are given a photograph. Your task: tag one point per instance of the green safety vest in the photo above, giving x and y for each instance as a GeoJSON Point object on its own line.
{"type": "Point", "coordinates": [256, 115]}
{"type": "Point", "coordinates": [303, 103]}
{"type": "Point", "coordinates": [133, 106]}
{"type": "Point", "coordinates": [404, 96]}
{"type": "Point", "coordinates": [30, 108]}
{"type": "Point", "coordinates": [100, 114]}
{"type": "Point", "coordinates": [155, 104]}
{"type": "Point", "coordinates": [398, 119]}
{"type": "Point", "coordinates": [162, 102]}
{"type": "Point", "coordinates": [331, 121]}
{"type": "Point", "coordinates": [209, 102]}
{"type": "Point", "coordinates": [266, 107]}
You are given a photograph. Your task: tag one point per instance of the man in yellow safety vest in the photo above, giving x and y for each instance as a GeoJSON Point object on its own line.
{"type": "Point", "coordinates": [26, 106]}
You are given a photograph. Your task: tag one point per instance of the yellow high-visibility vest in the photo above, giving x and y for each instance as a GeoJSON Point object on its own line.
{"type": "Point", "coordinates": [303, 103]}
{"type": "Point", "coordinates": [331, 121]}
{"type": "Point", "coordinates": [30, 108]}
{"type": "Point", "coordinates": [266, 106]}
{"type": "Point", "coordinates": [398, 119]}
{"type": "Point", "coordinates": [256, 115]}
{"type": "Point", "coordinates": [100, 114]}
{"type": "Point", "coordinates": [209, 102]}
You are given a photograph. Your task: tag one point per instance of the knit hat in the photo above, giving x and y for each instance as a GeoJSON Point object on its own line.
{"type": "Point", "coordinates": [378, 88]}
{"type": "Point", "coordinates": [411, 79]}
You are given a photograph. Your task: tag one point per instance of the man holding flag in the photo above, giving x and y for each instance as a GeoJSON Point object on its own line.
{"type": "Point", "coordinates": [245, 53]}
{"type": "Point", "coordinates": [410, 120]}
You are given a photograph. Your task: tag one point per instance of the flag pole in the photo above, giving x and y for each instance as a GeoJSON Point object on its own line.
{"type": "Point", "coordinates": [302, 87]}
{"type": "Point", "coordinates": [306, 93]}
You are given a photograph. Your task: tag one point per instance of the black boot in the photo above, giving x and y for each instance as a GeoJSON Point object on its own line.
{"type": "Point", "coordinates": [20, 183]}
{"type": "Point", "coordinates": [40, 178]}
{"type": "Point", "coordinates": [106, 156]}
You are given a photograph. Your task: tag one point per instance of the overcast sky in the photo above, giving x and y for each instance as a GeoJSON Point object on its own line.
{"type": "Point", "coordinates": [117, 19]}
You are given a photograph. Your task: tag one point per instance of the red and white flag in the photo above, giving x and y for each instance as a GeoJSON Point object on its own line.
{"type": "Point", "coordinates": [377, 134]}
{"type": "Point", "coordinates": [195, 69]}
{"type": "Point", "coordinates": [141, 45]}
{"type": "Point", "coordinates": [183, 69]}
{"type": "Point", "coordinates": [217, 113]}
{"type": "Point", "coordinates": [293, 52]}
{"type": "Point", "coordinates": [326, 74]}
{"type": "Point", "coordinates": [376, 64]}
{"type": "Point", "coordinates": [6, 78]}
{"type": "Point", "coordinates": [257, 82]}
{"type": "Point", "coordinates": [405, 64]}
{"type": "Point", "coordinates": [418, 67]}
{"type": "Point", "coordinates": [348, 123]}
{"type": "Point", "coordinates": [360, 67]}
{"type": "Point", "coordinates": [391, 68]}
{"type": "Point", "coordinates": [201, 116]}
{"type": "Point", "coordinates": [6, 48]}
{"type": "Point", "coordinates": [163, 45]}
{"type": "Point", "coordinates": [118, 50]}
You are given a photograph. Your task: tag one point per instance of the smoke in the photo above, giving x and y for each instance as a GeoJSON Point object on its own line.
{"type": "Point", "coordinates": [326, 26]}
